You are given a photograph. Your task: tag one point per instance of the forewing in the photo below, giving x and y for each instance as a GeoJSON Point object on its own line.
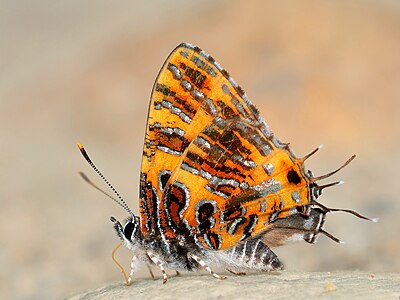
{"type": "Point", "coordinates": [190, 92]}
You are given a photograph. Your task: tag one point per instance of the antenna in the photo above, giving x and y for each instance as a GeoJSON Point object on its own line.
{"type": "Point", "coordinates": [120, 201]}
{"type": "Point", "coordinates": [88, 181]}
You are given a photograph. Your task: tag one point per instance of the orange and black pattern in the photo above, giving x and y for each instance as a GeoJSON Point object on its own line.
{"type": "Point", "coordinates": [212, 169]}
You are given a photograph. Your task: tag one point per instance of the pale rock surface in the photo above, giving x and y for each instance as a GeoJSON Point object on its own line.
{"type": "Point", "coordinates": [282, 285]}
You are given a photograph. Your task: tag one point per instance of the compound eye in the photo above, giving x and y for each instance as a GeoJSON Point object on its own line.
{"type": "Point", "coordinates": [128, 229]}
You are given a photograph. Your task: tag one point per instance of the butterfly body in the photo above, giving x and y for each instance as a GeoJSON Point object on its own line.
{"type": "Point", "coordinates": [217, 188]}
{"type": "Point", "coordinates": [252, 254]}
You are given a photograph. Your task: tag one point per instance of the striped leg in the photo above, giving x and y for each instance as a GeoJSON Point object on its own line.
{"type": "Point", "coordinates": [158, 263]}
{"type": "Point", "coordinates": [132, 270]}
{"type": "Point", "coordinates": [205, 266]}
{"type": "Point", "coordinates": [236, 273]}
{"type": "Point", "coordinates": [150, 271]}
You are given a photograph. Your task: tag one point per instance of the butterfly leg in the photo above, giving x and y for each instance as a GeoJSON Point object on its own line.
{"type": "Point", "coordinates": [150, 271]}
{"type": "Point", "coordinates": [158, 263]}
{"type": "Point", "coordinates": [132, 270]}
{"type": "Point", "coordinates": [236, 273]}
{"type": "Point", "coordinates": [205, 266]}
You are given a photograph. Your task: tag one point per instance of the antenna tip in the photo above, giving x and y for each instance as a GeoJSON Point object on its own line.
{"type": "Point", "coordinates": [84, 153]}
{"type": "Point", "coordinates": [321, 146]}
{"type": "Point", "coordinates": [375, 220]}
{"type": "Point", "coordinates": [340, 182]}
{"type": "Point", "coordinates": [341, 242]}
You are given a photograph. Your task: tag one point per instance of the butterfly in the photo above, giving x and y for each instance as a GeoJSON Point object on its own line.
{"type": "Point", "coordinates": [217, 188]}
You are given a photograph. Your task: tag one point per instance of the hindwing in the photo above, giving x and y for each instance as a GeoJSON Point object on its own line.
{"type": "Point", "coordinates": [237, 181]}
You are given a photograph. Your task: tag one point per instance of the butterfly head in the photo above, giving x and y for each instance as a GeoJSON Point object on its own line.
{"type": "Point", "coordinates": [130, 232]}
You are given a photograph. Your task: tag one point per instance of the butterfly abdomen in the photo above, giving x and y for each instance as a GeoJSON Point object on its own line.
{"type": "Point", "coordinates": [252, 254]}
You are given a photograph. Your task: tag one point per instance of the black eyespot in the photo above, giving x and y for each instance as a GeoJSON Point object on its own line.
{"type": "Point", "coordinates": [293, 177]}
{"type": "Point", "coordinates": [128, 229]}
{"type": "Point", "coordinates": [164, 177]}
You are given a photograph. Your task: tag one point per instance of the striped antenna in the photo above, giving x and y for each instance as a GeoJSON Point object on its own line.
{"type": "Point", "coordinates": [119, 199]}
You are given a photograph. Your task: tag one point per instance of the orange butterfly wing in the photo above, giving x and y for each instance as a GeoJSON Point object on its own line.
{"type": "Point", "coordinates": [211, 166]}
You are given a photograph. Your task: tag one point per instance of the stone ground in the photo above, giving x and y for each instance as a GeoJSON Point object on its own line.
{"type": "Point", "coordinates": [285, 285]}
{"type": "Point", "coordinates": [78, 71]}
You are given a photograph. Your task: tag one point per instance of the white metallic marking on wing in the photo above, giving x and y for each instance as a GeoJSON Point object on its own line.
{"type": "Point", "coordinates": [217, 181]}
{"type": "Point", "coordinates": [175, 71]}
{"type": "Point", "coordinates": [203, 142]}
{"type": "Point", "coordinates": [267, 186]}
{"type": "Point", "coordinates": [169, 151]}
{"type": "Point", "coordinates": [186, 85]}
{"type": "Point", "coordinates": [225, 196]}
{"type": "Point", "coordinates": [269, 168]}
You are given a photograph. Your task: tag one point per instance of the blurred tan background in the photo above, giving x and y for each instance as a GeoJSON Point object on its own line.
{"type": "Point", "coordinates": [319, 71]}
